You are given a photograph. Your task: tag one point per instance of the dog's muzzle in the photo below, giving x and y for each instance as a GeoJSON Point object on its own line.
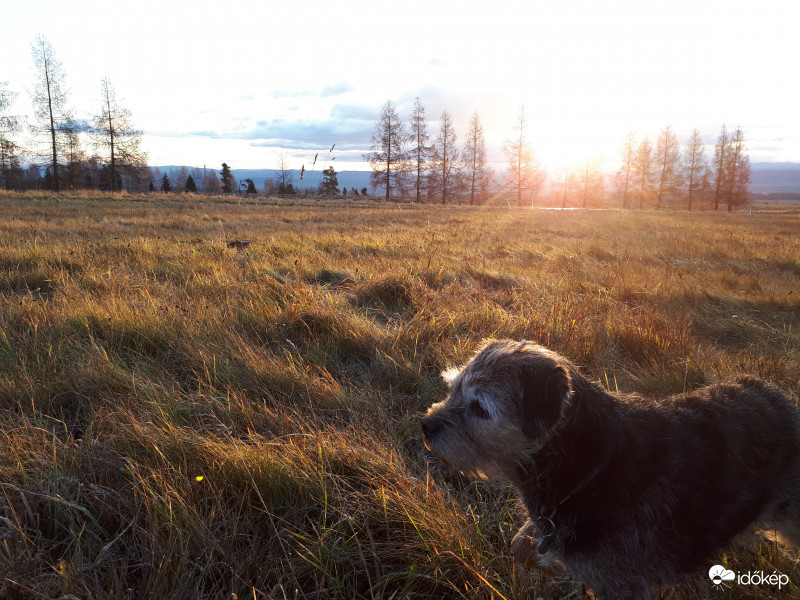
{"type": "Point", "coordinates": [431, 426]}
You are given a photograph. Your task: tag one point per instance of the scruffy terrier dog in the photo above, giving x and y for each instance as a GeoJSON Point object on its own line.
{"type": "Point", "coordinates": [624, 492]}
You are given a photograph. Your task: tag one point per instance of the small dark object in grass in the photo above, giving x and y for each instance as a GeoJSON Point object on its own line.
{"type": "Point", "coordinates": [239, 244]}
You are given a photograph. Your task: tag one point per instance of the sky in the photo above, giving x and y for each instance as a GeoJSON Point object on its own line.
{"type": "Point", "coordinates": [244, 81]}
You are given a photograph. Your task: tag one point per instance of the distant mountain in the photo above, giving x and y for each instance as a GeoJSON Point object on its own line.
{"type": "Point", "coordinates": [311, 179]}
{"type": "Point", "coordinates": [774, 178]}
{"type": "Point", "coordinates": [765, 177]}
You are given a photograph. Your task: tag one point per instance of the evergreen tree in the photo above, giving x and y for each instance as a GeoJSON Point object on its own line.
{"type": "Point", "coordinates": [166, 186]}
{"type": "Point", "coordinates": [251, 186]}
{"type": "Point", "coordinates": [191, 186]}
{"type": "Point", "coordinates": [227, 179]}
{"type": "Point", "coordinates": [330, 182]}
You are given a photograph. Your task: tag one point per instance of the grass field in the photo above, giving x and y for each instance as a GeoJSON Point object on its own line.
{"type": "Point", "coordinates": [183, 420]}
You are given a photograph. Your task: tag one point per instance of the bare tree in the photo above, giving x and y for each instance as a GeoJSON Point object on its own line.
{"type": "Point", "coordinates": [285, 175]}
{"type": "Point", "coordinates": [420, 144]}
{"type": "Point", "coordinates": [738, 170]}
{"type": "Point", "coordinates": [211, 183]}
{"type": "Point", "coordinates": [643, 168]}
{"type": "Point", "coordinates": [694, 163]}
{"type": "Point", "coordinates": [524, 171]}
{"type": "Point", "coordinates": [388, 157]}
{"type": "Point", "coordinates": [668, 156]}
{"type": "Point", "coordinates": [9, 124]}
{"type": "Point", "coordinates": [474, 157]}
{"type": "Point", "coordinates": [116, 138]}
{"type": "Point", "coordinates": [444, 162]}
{"type": "Point", "coordinates": [720, 164]}
{"type": "Point", "coordinates": [49, 100]}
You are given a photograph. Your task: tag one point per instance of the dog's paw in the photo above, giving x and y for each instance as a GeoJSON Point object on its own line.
{"type": "Point", "coordinates": [524, 548]}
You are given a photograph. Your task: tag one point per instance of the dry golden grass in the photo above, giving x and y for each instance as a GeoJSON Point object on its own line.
{"type": "Point", "coordinates": [182, 420]}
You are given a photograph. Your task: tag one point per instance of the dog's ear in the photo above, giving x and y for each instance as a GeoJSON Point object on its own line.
{"type": "Point", "coordinates": [545, 389]}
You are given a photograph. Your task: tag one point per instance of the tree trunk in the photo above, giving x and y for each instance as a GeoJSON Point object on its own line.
{"type": "Point", "coordinates": [52, 128]}
{"type": "Point", "coordinates": [388, 166]}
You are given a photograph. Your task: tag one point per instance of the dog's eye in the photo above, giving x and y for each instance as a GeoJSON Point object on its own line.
{"type": "Point", "coordinates": [476, 409]}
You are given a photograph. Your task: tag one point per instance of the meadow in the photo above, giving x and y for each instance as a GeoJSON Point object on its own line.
{"type": "Point", "coordinates": [183, 420]}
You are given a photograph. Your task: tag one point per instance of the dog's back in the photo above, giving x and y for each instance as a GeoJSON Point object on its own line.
{"type": "Point", "coordinates": [690, 473]}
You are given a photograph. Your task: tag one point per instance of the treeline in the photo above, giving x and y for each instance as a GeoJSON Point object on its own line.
{"type": "Point", "coordinates": [408, 162]}
{"type": "Point", "coordinates": [100, 150]}
{"type": "Point", "coordinates": [655, 175]}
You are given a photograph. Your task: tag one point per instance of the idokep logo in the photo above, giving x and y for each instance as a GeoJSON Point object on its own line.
{"type": "Point", "coordinates": [721, 578]}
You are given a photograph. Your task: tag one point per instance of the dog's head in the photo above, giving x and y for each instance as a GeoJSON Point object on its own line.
{"type": "Point", "coordinates": [503, 406]}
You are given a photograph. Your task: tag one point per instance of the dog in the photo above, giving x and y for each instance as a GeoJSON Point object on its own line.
{"type": "Point", "coordinates": [622, 492]}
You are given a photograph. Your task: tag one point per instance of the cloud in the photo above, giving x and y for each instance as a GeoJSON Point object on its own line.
{"type": "Point", "coordinates": [292, 93]}
{"type": "Point", "coordinates": [437, 62]}
{"type": "Point", "coordinates": [354, 111]}
{"type": "Point", "coordinates": [345, 133]}
{"type": "Point", "coordinates": [336, 89]}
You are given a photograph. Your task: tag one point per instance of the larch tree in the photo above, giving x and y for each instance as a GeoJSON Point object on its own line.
{"type": "Point", "coordinates": [694, 164]}
{"type": "Point", "coordinates": [285, 175]}
{"type": "Point", "coordinates": [444, 160]}
{"type": "Point", "coordinates": [474, 159]}
{"type": "Point", "coordinates": [10, 125]}
{"type": "Point", "coordinates": [420, 150]}
{"type": "Point", "coordinates": [388, 157]}
{"type": "Point", "coordinates": [591, 180]}
{"type": "Point", "coordinates": [720, 165]}
{"type": "Point", "coordinates": [77, 173]}
{"type": "Point", "coordinates": [49, 97]}
{"type": "Point", "coordinates": [667, 157]}
{"type": "Point", "coordinates": [643, 169]}
{"type": "Point", "coordinates": [118, 142]}
{"type": "Point", "coordinates": [566, 175]}
{"type": "Point", "coordinates": [624, 174]}
{"type": "Point", "coordinates": [524, 171]}
{"type": "Point", "coordinates": [738, 170]}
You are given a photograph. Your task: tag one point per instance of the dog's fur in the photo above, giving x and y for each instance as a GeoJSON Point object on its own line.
{"type": "Point", "coordinates": [633, 492]}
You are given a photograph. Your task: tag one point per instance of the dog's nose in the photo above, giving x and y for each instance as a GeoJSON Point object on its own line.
{"type": "Point", "coordinates": [430, 426]}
